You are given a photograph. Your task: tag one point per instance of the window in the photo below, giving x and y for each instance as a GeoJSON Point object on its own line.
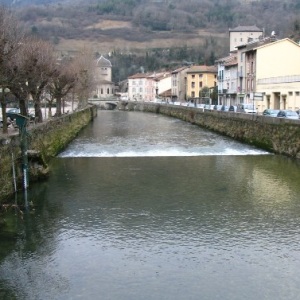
{"type": "Point", "coordinates": [200, 75]}
{"type": "Point", "coordinates": [193, 76]}
{"type": "Point", "coordinates": [200, 84]}
{"type": "Point", "coordinates": [193, 85]}
{"type": "Point", "coordinates": [241, 39]}
{"type": "Point", "coordinates": [193, 94]}
{"type": "Point", "coordinates": [107, 90]}
{"type": "Point", "coordinates": [141, 90]}
{"type": "Point", "coordinates": [101, 91]}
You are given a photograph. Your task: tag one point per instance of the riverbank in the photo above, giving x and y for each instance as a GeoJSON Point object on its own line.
{"type": "Point", "coordinates": [44, 141]}
{"type": "Point", "coordinates": [277, 135]}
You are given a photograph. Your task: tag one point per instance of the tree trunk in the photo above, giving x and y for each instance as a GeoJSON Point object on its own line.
{"type": "Point", "coordinates": [22, 106]}
{"type": "Point", "coordinates": [38, 111]}
{"type": "Point", "coordinates": [4, 118]}
{"type": "Point", "coordinates": [58, 106]}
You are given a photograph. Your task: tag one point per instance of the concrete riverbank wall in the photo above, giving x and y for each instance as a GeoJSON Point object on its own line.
{"type": "Point", "coordinates": [44, 141]}
{"type": "Point", "coordinates": [277, 135]}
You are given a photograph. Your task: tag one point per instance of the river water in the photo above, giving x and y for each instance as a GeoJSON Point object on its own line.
{"type": "Point", "coordinates": [142, 206]}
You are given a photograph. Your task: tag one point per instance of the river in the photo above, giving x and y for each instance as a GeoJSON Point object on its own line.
{"type": "Point", "coordinates": [143, 206]}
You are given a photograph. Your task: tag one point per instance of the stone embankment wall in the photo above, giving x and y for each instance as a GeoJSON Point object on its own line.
{"type": "Point", "coordinates": [45, 141]}
{"type": "Point", "coordinates": [277, 135]}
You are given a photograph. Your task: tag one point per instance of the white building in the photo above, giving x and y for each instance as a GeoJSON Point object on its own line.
{"type": "Point", "coordinates": [242, 35]}
{"type": "Point", "coordinates": [228, 80]}
{"type": "Point", "coordinates": [104, 86]}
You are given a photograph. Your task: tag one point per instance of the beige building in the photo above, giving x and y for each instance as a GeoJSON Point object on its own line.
{"type": "Point", "coordinates": [242, 35]}
{"type": "Point", "coordinates": [178, 84]}
{"type": "Point", "coordinates": [276, 74]}
{"type": "Point", "coordinates": [199, 77]}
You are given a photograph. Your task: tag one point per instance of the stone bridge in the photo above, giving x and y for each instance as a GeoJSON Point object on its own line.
{"type": "Point", "coordinates": [108, 103]}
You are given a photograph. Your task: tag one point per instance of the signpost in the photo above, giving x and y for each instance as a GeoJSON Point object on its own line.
{"type": "Point", "coordinates": [257, 96]}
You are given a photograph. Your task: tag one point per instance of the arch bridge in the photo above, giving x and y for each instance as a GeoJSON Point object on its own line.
{"type": "Point", "coordinates": [107, 103]}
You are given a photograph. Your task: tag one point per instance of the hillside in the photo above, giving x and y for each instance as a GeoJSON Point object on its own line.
{"type": "Point", "coordinates": [197, 28]}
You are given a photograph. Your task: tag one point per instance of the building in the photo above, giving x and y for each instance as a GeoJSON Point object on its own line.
{"type": "Point", "coordinates": [141, 87]}
{"type": "Point", "coordinates": [199, 77]}
{"type": "Point", "coordinates": [247, 68]}
{"type": "Point", "coordinates": [163, 82]}
{"type": "Point", "coordinates": [228, 79]}
{"type": "Point", "coordinates": [105, 88]}
{"type": "Point", "coordinates": [276, 68]}
{"type": "Point", "coordinates": [178, 84]}
{"type": "Point", "coordinates": [149, 86]}
{"type": "Point", "coordinates": [241, 35]}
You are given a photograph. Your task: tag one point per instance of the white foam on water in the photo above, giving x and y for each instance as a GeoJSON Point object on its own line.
{"type": "Point", "coordinates": [162, 153]}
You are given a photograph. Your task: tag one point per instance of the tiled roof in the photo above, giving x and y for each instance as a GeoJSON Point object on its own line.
{"type": "Point", "coordinates": [166, 93]}
{"type": "Point", "coordinates": [245, 29]}
{"type": "Point", "coordinates": [139, 75]}
{"type": "Point", "coordinates": [179, 69]}
{"type": "Point", "coordinates": [203, 69]}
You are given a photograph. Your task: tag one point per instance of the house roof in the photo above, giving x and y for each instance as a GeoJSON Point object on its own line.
{"type": "Point", "coordinates": [245, 29]}
{"type": "Point", "coordinates": [228, 60]}
{"type": "Point", "coordinates": [257, 43]}
{"type": "Point", "coordinates": [277, 42]}
{"type": "Point", "coordinates": [103, 62]}
{"type": "Point", "coordinates": [203, 69]}
{"type": "Point", "coordinates": [105, 82]}
{"type": "Point", "coordinates": [139, 75]}
{"type": "Point", "coordinates": [180, 69]}
{"type": "Point", "coordinates": [167, 93]}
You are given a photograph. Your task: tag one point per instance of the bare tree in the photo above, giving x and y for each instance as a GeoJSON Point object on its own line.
{"type": "Point", "coordinates": [62, 83]}
{"type": "Point", "coordinates": [40, 66]}
{"type": "Point", "coordinates": [11, 37]}
{"type": "Point", "coordinates": [85, 66]}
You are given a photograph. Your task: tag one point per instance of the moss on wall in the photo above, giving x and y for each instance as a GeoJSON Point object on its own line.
{"type": "Point", "coordinates": [45, 141]}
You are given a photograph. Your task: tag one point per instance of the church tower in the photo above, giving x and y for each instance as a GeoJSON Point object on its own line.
{"type": "Point", "coordinates": [104, 86]}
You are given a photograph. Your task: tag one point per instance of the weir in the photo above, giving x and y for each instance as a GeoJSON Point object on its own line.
{"type": "Point", "coordinates": [277, 135]}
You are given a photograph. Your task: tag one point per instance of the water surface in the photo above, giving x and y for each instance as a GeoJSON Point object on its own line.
{"type": "Point", "coordinates": [142, 206]}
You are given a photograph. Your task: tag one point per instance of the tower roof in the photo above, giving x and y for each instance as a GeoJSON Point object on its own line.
{"type": "Point", "coordinates": [103, 62]}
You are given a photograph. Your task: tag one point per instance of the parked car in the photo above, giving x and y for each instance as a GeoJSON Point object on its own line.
{"type": "Point", "coordinates": [232, 108]}
{"type": "Point", "coordinates": [247, 108]}
{"type": "Point", "coordinates": [208, 107]}
{"type": "Point", "coordinates": [217, 107]}
{"type": "Point", "coordinates": [224, 108]}
{"type": "Point", "coordinates": [271, 112]}
{"type": "Point", "coordinates": [12, 111]}
{"type": "Point", "coordinates": [1, 122]}
{"type": "Point", "coordinates": [288, 114]}
{"type": "Point", "coordinates": [298, 111]}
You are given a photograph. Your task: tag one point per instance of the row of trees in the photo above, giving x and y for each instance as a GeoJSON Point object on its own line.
{"type": "Point", "coordinates": [31, 70]}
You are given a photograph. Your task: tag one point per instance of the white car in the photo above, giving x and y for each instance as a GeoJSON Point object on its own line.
{"type": "Point", "coordinates": [247, 108]}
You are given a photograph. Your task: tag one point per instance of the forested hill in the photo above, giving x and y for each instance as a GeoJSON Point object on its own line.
{"type": "Point", "coordinates": [186, 15]}
{"type": "Point", "coordinates": [196, 30]}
